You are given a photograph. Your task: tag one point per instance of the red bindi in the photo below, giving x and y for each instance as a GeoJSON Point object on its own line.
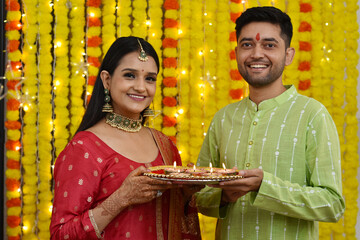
{"type": "Point", "coordinates": [257, 37]}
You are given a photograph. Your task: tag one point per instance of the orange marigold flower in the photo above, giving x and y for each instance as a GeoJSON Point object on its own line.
{"type": "Point", "coordinates": [235, 75]}
{"type": "Point", "coordinates": [14, 238]}
{"type": "Point", "coordinates": [169, 121]}
{"type": "Point", "coordinates": [232, 55]}
{"type": "Point", "coordinates": [169, 101]}
{"type": "Point", "coordinates": [88, 97]}
{"type": "Point", "coordinates": [13, 145]}
{"type": "Point", "coordinates": [15, 65]}
{"type": "Point", "coordinates": [236, 93]}
{"type": "Point", "coordinates": [305, 7]}
{"type": "Point", "coordinates": [169, 43]}
{"type": "Point", "coordinates": [94, 41]}
{"type": "Point", "coordinates": [91, 80]}
{"type": "Point", "coordinates": [12, 184]}
{"type": "Point", "coordinates": [13, 164]}
{"type": "Point", "coordinates": [170, 23]}
{"type": "Point", "coordinates": [94, 22]}
{"type": "Point", "coordinates": [170, 62]}
{"type": "Point", "coordinates": [304, 66]}
{"type": "Point", "coordinates": [11, 85]}
{"type": "Point", "coordinates": [12, 104]}
{"type": "Point", "coordinates": [14, 202]}
{"type": "Point", "coordinates": [12, 5]}
{"type": "Point", "coordinates": [94, 61]}
{"type": "Point", "coordinates": [170, 81]}
{"type": "Point", "coordinates": [93, 3]}
{"type": "Point", "coordinates": [13, 221]}
{"type": "Point", "coordinates": [173, 139]}
{"type": "Point", "coordinates": [234, 16]}
{"type": "Point", "coordinates": [171, 4]}
{"type": "Point", "coordinates": [13, 125]}
{"type": "Point", "coordinates": [13, 45]}
{"type": "Point", "coordinates": [305, 27]}
{"type": "Point", "coordinates": [305, 84]}
{"type": "Point", "coordinates": [13, 25]}
{"type": "Point", "coordinates": [232, 36]}
{"type": "Point", "coordinates": [305, 46]}
{"type": "Point", "coordinates": [236, 1]}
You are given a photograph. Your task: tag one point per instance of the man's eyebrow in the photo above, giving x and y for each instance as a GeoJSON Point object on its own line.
{"type": "Point", "coordinates": [245, 39]}
{"type": "Point", "coordinates": [265, 39]}
{"type": "Point", "coordinates": [271, 40]}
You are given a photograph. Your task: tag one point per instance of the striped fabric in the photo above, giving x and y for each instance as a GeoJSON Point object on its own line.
{"type": "Point", "coordinates": [294, 140]}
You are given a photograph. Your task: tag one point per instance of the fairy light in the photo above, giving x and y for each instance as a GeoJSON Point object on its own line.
{"type": "Point", "coordinates": [148, 23]}
{"type": "Point", "coordinates": [180, 31]}
{"type": "Point", "coordinates": [92, 14]}
{"type": "Point", "coordinates": [183, 72]}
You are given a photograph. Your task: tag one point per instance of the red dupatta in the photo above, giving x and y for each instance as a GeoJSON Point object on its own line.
{"type": "Point", "coordinates": [181, 225]}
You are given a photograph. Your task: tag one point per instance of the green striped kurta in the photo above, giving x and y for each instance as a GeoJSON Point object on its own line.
{"type": "Point", "coordinates": [294, 140]}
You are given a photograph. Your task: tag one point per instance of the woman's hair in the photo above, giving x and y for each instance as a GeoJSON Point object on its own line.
{"type": "Point", "coordinates": [121, 47]}
{"type": "Point", "coordinates": [266, 14]}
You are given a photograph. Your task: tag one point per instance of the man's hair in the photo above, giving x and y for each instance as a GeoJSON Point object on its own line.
{"type": "Point", "coordinates": [266, 14]}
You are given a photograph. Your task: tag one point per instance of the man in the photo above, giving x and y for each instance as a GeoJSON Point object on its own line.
{"type": "Point", "coordinates": [285, 145]}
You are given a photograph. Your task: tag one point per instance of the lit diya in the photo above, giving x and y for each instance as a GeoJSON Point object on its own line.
{"type": "Point", "coordinates": [225, 171]}
{"type": "Point", "coordinates": [196, 172]}
{"type": "Point", "coordinates": [174, 169]}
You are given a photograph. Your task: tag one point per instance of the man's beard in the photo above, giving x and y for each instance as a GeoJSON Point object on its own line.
{"type": "Point", "coordinates": [261, 81]}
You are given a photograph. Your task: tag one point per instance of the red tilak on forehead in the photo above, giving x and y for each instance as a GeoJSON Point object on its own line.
{"type": "Point", "coordinates": [258, 36]}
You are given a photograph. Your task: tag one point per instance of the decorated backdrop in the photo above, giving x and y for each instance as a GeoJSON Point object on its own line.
{"type": "Point", "coordinates": [54, 50]}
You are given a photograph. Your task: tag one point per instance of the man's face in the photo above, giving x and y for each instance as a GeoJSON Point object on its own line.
{"type": "Point", "coordinates": [261, 53]}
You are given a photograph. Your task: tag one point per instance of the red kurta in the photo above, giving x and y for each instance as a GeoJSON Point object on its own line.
{"type": "Point", "coordinates": [88, 171]}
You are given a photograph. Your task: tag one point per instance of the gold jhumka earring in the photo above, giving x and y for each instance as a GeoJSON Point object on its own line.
{"type": "Point", "coordinates": [107, 106]}
{"type": "Point", "coordinates": [148, 112]}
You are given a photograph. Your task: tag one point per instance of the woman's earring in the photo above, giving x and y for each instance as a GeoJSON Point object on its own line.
{"type": "Point", "coordinates": [107, 106]}
{"type": "Point", "coordinates": [148, 112]}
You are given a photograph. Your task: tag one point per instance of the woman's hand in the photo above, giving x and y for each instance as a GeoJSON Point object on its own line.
{"type": "Point", "coordinates": [141, 189]}
{"type": "Point", "coordinates": [135, 189]}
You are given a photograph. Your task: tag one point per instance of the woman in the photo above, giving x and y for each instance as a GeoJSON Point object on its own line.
{"type": "Point", "coordinates": [100, 191]}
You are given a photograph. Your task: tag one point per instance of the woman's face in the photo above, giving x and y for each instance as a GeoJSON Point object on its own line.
{"type": "Point", "coordinates": [132, 85]}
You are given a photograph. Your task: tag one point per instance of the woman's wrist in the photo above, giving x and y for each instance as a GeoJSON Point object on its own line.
{"type": "Point", "coordinates": [115, 203]}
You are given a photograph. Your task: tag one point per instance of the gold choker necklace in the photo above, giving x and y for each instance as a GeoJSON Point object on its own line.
{"type": "Point", "coordinates": [123, 123]}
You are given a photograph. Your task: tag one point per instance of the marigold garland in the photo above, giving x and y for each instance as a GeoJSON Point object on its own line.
{"type": "Point", "coordinates": [183, 80]}
{"type": "Point", "coordinates": [77, 65]}
{"type": "Point", "coordinates": [139, 14]}
{"type": "Point", "coordinates": [238, 85]}
{"type": "Point", "coordinates": [351, 157]}
{"type": "Point", "coordinates": [155, 36]}
{"type": "Point", "coordinates": [45, 122]}
{"type": "Point", "coordinates": [13, 145]}
{"type": "Point", "coordinates": [170, 64]}
{"type": "Point", "coordinates": [93, 40]}
{"type": "Point", "coordinates": [123, 21]}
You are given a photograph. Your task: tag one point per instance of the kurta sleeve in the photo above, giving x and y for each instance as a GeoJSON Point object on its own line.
{"type": "Point", "coordinates": [77, 176]}
{"type": "Point", "coordinates": [320, 199]}
{"type": "Point", "coordinates": [208, 199]}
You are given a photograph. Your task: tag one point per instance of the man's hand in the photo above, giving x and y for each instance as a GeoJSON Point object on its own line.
{"type": "Point", "coordinates": [232, 190]}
